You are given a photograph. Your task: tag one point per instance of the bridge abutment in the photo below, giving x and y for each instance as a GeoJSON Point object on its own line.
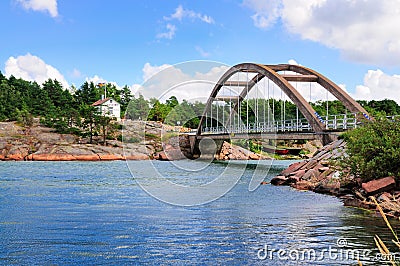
{"type": "Point", "coordinates": [328, 138]}
{"type": "Point", "coordinates": [205, 148]}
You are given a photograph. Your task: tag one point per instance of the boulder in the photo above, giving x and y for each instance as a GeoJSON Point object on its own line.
{"type": "Point", "coordinates": [175, 154]}
{"type": "Point", "coordinates": [385, 197]}
{"type": "Point", "coordinates": [162, 156]}
{"type": "Point", "coordinates": [328, 187]}
{"type": "Point", "coordinates": [299, 173]}
{"type": "Point", "coordinates": [323, 169]}
{"type": "Point", "coordinates": [311, 175]}
{"type": "Point", "coordinates": [293, 179]}
{"type": "Point", "coordinates": [279, 180]}
{"type": "Point", "coordinates": [293, 168]}
{"type": "Point", "coordinates": [324, 162]}
{"type": "Point", "coordinates": [353, 202]}
{"type": "Point", "coordinates": [380, 185]}
{"type": "Point", "coordinates": [253, 156]}
{"type": "Point", "coordinates": [170, 155]}
{"type": "Point", "coordinates": [168, 147]}
{"type": "Point", "coordinates": [303, 185]}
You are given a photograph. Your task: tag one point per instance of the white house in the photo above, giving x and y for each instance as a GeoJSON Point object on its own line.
{"type": "Point", "coordinates": [109, 107]}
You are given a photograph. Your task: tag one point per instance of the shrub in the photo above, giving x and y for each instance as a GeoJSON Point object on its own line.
{"type": "Point", "coordinates": [374, 150]}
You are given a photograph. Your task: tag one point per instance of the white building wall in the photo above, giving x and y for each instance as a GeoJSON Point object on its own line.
{"type": "Point", "coordinates": [111, 108]}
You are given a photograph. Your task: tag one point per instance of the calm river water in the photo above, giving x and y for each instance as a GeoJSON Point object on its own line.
{"type": "Point", "coordinates": [64, 213]}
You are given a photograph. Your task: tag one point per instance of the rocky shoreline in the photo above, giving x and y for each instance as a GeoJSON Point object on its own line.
{"type": "Point", "coordinates": [320, 174]}
{"type": "Point", "coordinates": [38, 143]}
{"type": "Point", "coordinates": [143, 140]}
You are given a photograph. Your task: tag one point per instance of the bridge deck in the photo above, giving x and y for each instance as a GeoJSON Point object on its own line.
{"type": "Point", "coordinates": [273, 136]}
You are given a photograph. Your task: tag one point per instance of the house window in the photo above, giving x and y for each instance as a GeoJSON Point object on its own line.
{"type": "Point", "coordinates": [110, 110]}
{"type": "Point", "coordinates": [110, 101]}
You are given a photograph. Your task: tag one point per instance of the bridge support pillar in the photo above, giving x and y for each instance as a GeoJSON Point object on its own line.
{"type": "Point", "coordinates": [205, 148]}
{"type": "Point", "coordinates": [328, 138]}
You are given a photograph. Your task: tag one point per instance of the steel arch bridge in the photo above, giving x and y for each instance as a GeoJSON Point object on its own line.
{"type": "Point", "coordinates": [255, 75]}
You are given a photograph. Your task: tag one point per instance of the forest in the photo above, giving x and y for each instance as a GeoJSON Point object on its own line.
{"type": "Point", "coordinates": [71, 111]}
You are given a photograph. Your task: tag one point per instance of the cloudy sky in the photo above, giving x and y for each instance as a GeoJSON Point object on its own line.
{"type": "Point", "coordinates": [356, 43]}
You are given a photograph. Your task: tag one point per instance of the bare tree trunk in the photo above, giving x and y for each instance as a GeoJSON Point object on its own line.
{"type": "Point", "coordinates": [104, 134]}
{"type": "Point", "coordinates": [91, 133]}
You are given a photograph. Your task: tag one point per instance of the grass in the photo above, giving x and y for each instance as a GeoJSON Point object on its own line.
{"type": "Point", "coordinates": [378, 241]}
{"type": "Point", "coordinates": [168, 135]}
{"type": "Point", "coordinates": [151, 136]}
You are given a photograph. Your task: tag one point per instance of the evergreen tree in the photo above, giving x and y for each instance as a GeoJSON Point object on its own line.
{"type": "Point", "coordinates": [87, 94]}
{"type": "Point", "coordinates": [138, 108]}
{"type": "Point", "coordinates": [125, 97]}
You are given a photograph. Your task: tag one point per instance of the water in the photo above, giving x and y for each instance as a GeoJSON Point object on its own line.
{"type": "Point", "coordinates": [63, 213]}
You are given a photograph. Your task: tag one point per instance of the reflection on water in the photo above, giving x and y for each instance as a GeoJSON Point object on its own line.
{"type": "Point", "coordinates": [95, 213]}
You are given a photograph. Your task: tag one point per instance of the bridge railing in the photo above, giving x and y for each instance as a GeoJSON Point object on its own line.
{"type": "Point", "coordinates": [332, 122]}
{"type": "Point", "coordinates": [341, 122]}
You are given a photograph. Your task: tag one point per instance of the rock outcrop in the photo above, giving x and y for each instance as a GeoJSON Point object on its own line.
{"type": "Point", "coordinates": [319, 174]}
{"type": "Point", "coordinates": [142, 140]}
{"type": "Point", "coordinates": [234, 152]}
{"type": "Point", "coordinates": [316, 174]}
{"type": "Point", "coordinates": [380, 185]}
{"type": "Point", "coordinates": [39, 143]}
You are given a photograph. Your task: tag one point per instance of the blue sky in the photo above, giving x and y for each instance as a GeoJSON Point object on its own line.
{"type": "Point", "coordinates": [356, 43]}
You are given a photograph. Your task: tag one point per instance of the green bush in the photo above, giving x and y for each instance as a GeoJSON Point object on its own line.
{"type": "Point", "coordinates": [374, 150]}
{"type": "Point", "coordinates": [120, 127]}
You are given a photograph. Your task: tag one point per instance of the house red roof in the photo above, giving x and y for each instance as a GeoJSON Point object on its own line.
{"type": "Point", "coordinates": [100, 102]}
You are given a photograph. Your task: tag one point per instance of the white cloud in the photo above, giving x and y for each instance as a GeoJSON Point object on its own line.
{"type": "Point", "coordinates": [363, 30]}
{"type": "Point", "coordinates": [32, 68]}
{"type": "Point", "coordinates": [169, 34]}
{"type": "Point", "coordinates": [76, 73]}
{"type": "Point", "coordinates": [96, 79]}
{"type": "Point", "coordinates": [164, 81]}
{"type": "Point", "coordinates": [378, 86]}
{"type": "Point", "coordinates": [266, 12]}
{"type": "Point", "coordinates": [293, 62]}
{"type": "Point", "coordinates": [181, 13]}
{"type": "Point", "coordinates": [149, 70]}
{"type": "Point", "coordinates": [40, 5]}
{"type": "Point", "coordinates": [202, 52]}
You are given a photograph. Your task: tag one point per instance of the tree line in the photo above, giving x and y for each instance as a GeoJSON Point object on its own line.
{"type": "Point", "coordinates": [71, 110]}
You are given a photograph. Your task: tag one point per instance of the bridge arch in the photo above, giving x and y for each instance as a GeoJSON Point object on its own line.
{"type": "Point", "coordinates": [282, 81]}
